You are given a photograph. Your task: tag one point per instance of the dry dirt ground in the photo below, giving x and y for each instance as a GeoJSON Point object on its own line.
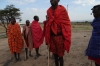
{"type": "Point", "coordinates": [76, 57]}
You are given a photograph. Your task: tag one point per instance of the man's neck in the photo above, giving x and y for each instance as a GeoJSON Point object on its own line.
{"type": "Point", "coordinates": [54, 7]}
{"type": "Point", "coordinates": [13, 23]}
{"type": "Point", "coordinates": [27, 25]}
{"type": "Point", "coordinates": [97, 17]}
{"type": "Point", "coordinates": [36, 20]}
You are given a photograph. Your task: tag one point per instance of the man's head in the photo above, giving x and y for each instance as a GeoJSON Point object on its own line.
{"type": "Point", "coordinates": [27, 22]}
{"type": "Point", "coordinates": [36, 18]}
{"type": "Point", "coordinates": [12, 20]}
{"type": "Point", "coordinates": [54, 2]}
{"type": "Point", "coordinates": [96, 11]}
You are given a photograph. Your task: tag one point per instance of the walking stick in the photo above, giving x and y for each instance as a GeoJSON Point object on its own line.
{"type": "Point", "coordinates": [24, 49]}
{"type": "Point", "coordinates": [25, 57]}
{"type": "Point", "coordinates": [48, 55]}
{"type": "Point", "coordinates": [91, 62]}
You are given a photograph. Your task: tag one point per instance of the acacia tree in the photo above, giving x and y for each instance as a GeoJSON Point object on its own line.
{"type": "Point", "coordinates": [7, 13]}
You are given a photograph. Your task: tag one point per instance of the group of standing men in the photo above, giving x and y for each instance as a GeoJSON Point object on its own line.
{"type": "Point", "coordinates": [57, 33]}
{"type": "Point", "coordinates": [30, 37]}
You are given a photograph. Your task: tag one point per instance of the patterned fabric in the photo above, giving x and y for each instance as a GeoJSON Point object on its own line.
{"type": "Point", "coordinates": [14, 38]}
{"type": "Point", "coordinates": [93, 50]}
{"type": "Point", "coordinates": [27, 37]}
{"type": "Point", "coordinates": [59, 17]}
{"type": "Point", "coordinates": [57, 43]}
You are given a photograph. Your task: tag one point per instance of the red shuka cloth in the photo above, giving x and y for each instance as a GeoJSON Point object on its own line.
{"type": "Point", "coordinates": [44, 28]}
{"type": "Point", "coordinates": [37, 34]}
{"type": "Point", "coordinates": [97, 60]}
{"type": "Point", "coordinates": [61, 19]}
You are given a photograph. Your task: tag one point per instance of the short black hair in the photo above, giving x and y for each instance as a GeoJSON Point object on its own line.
{"type": "Point", "coordinates": [97, 7]}
{"type": "Point", "coordinates": [13, 18]}
{"type": "Point", "coordinates": [27, 21]}
{"type": "Point", "coordinates": [35, 17]}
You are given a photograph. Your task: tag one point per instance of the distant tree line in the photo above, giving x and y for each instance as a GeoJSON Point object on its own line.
{"type": "Point", "coordinates": [81, 23]}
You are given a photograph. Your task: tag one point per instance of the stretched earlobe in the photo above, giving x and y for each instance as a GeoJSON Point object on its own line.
{"type": "Point", "coordinates": [90, 13]}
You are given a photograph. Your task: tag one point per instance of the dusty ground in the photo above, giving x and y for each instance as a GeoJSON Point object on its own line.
{"type": "Point", "coordinates": [76, 57]}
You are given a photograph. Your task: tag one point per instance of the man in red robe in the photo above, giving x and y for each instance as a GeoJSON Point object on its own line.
{"type": "Point", "coordinates": [45, 22]}
{"type": "Point", "coordinates": [58, 31]}
{"type": "Point", "coordinates": [37, 35]}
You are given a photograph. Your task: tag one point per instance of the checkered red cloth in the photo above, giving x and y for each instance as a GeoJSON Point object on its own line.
{"type": "Point", "coordinates": [57, 43]}
{"type": "Point", "coordinates": [59, 17]}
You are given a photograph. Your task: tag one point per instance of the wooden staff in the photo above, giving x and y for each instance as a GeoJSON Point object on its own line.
{"type": "Point", "coordinates": [91, 62]}
{"type": "Point", "coordinates": [48, 56]}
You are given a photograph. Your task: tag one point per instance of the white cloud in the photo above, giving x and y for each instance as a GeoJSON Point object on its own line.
{"type": "Point", "coordinates": [28, 13]}
{"type": "Point", "coordinates": [20, 2]}
{"type": "Point", "coordinates": [75, 9]}
{"type": "Point", "coordinates": [80, 16]}
{"type": "Point", "coordinates": [35, 9]}
{"type": "Point", "coordinates": [86, 2]}
{"type": "Point", "coordinates": [47, 1]}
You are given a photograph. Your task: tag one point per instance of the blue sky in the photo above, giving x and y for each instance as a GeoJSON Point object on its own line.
{"type": "Point", "coordinates": [77, 9]}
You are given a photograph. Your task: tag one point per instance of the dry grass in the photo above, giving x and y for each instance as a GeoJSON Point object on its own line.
{"type": "Point", "coordinates": [81, 28]}
{"type": "Point", "coordinates": [2, 29]}
{"type": "Point", "coordinates": [75, 28]}
{"type": "Point", "coordinates": [76, 56]}
{"type": "Point", "coordinates": [2, 32]}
